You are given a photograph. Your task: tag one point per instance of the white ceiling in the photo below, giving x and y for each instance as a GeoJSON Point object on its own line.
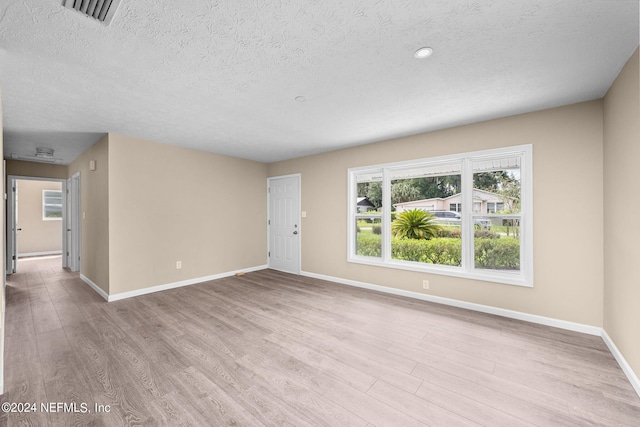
{"type": "Point", "coordinates": [223, 75]}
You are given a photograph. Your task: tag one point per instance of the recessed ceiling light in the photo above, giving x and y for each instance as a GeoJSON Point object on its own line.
{"type": "Point", "coordinates": [300, 98]}
{"type": "Point", "coordinates": [423, 52]}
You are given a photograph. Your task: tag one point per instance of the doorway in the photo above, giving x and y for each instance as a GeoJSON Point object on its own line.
{"type": "Point", "coordinates": [37, 218]}
{"type": "Point", "coordinates": [284, 223]}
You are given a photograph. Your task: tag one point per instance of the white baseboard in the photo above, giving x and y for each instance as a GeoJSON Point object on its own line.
{"type": "Point", "coordinates": [45, 253]}
{"type": "Point", "coordinates": [167, 286]}
{"type": "Point", "coordinates": [95, 287]}
{"type": "Point", "coordinates": [626, 368]}
{"type": "Point", "coordinates": [533, 318]}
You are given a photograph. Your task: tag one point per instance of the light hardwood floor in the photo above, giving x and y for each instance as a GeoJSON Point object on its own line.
{"type": "Point", "coordinates": [274, 349]}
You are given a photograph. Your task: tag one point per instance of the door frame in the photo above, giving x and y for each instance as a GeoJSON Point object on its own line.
{"type": "Point", "coordinates": [74, 243]}
{"type": "Point", "coordinates": [11, 264]}
{"type": "Point", "coordinates": [298, 176]}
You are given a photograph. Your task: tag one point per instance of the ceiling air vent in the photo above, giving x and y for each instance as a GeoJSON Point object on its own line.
{"type": "Point", "coordinates": [101, 10]}
{"type": "Point", "coordinates": [46, 153]}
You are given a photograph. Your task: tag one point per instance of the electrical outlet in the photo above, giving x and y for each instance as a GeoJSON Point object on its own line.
{"type": "Point", "coordinates": [425, 284]}
{"type": "Point", "coordinates": [178, 265]}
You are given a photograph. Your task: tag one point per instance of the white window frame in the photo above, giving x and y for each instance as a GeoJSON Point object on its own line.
{"type": "Point", "coordinates": [523, 277]}
{"type": "Point", "coordinates": [44, 205]}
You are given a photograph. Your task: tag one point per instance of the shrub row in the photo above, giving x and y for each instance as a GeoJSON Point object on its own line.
{"type": "Point", "coordinates": [369, 245]}
{"type": "Point", "coordinates": [443, 251]}
{"type": "Point", "coordinates": [498, 254]}
{"type": "Point", "coordinates": [490, 252]}
{"type": "Point", "coordinates": [454, 233]}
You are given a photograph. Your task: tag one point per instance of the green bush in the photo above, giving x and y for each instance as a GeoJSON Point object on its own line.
{"type": "Point", "coordinates": [449, 232]}
{"type": "Point", "coordinates": [455, 233]}
{"type": "Point", "coordinates": [442, 251]}
{"type": "Point", "coordinates": [369, 245]}
{"type": "Point", "coordinates": [490, 252]}
{"type": "Point", "coordinates": [376, 228]}
{"type": "Point", "coordinates": [497, 254]}
{"type": "Point", "coordinates": [485, 234]}
{"type": "Point", "coordinates": [414, 224]}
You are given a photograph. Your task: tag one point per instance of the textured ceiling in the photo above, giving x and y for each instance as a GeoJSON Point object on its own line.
{"type": "Point", "coordinates": [223, 76]}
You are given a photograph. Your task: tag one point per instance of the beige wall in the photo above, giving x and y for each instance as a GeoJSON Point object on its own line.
{"type": "Point", "coordinates": [568, 218]}
{"type": "Point", "coordinates": [169, 204]}
{"type": "Point", "coordinates": [36, 235]}
{"type": "Point", "coordinates": [36, 170]}
{"type": "Point", "coordinates": [621, 253]}
{"type": "Point", "coordinates": [94, 206]}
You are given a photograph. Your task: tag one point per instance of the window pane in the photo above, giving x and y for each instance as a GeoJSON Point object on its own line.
{"type": "Point", "coordinates": [496, 185]}
{"type": "Point", "coordinates": [369, 192]}
{"type": "Point", "coordinates": [425, 224]}
{"type": "Point", "coordinates": [368, 236]}
{"type": "Point", "coordinates": [52, 201]}
{"type": "Point", "coordinates": [497, 243]}
{"type": "Point", "coordinates": [51, 204]}
{"type": "Point", "coordinates": [368, 220]}
{"type": "Point", "coordinates": [455, 207]}
{"type": "Point", "coordinates": [53, 212]}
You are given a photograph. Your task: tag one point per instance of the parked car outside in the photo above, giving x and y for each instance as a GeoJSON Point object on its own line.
{"type": "Point", "coordinates": [455, 218]}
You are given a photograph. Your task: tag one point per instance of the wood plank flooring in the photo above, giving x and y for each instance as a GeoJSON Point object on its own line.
{"type": "Point", "coordinates": [270, 348]}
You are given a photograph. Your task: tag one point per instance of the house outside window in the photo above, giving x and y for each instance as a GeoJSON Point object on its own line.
{"type": "Point", "coordinates": [490, 238]}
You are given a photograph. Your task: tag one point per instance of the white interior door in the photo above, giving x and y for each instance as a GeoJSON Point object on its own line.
{"type": "Point", "coordinates": [67, 227]}
{"type": "Point", "coordinates": [284, 223]}
{"type": "Point", "coordinates": [73, 222]}
{"type": "Point", "coordinates": [12, 219]}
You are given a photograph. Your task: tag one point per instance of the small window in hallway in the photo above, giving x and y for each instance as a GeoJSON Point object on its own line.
{"type": "Point", "coordinates": [51, 204]}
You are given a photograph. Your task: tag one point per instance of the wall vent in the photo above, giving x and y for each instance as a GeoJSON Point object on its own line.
{"type": "Point", "coordinates": [100, 10]}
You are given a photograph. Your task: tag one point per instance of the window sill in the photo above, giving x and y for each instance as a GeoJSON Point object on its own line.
{"type": "Point", "coordinates": [494, 276]}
